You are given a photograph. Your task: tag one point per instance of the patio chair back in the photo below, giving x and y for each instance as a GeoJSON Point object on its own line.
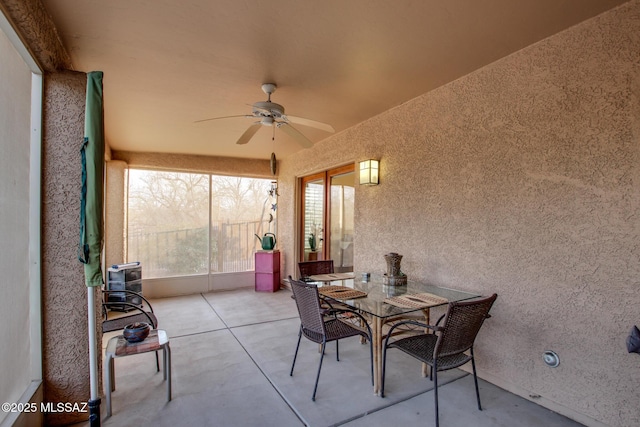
{"type": "Point", "coordinates": [310, 268]}
{"type": "Point", "coordinates": [461, 326]}
{"type": "Point", "coordinates": [311, 314]}
{"type": "Point", "coordinates": [140, 313]}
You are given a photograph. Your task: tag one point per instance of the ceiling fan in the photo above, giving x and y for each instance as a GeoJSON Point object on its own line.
{"type": "Point", "coordinates": [271, 114]}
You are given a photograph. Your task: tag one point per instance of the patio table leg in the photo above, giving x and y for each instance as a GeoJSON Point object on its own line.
{"type": "Point", "coordinates": [426, 313]}
{"type": "Point", "coordinates": [377, 355]}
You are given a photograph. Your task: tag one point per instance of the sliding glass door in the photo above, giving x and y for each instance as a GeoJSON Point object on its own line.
{"type": "Point", "coordinates": [341, 207]}
{"type": "Point", "coordinates": [327, 217]}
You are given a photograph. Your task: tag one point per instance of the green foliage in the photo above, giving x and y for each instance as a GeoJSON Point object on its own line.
{"type": "Point", "coordinates": [190, 254]}
{"type": "Point", "coordinates": [312, 242]}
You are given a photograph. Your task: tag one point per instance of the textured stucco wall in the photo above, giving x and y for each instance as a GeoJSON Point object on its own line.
{"type": "Point", "coordinates": [522, 178]}
{"type": "Point", "coordinates": [31, 20]}
{"type": "Point", "coordinates": [64, 295]}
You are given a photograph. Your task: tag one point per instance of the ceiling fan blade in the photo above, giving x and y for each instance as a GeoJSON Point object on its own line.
{"type": "Point", "coordinates": [311, 123]}
{"type": "Point", "coordinates": [225, 117]}
{"type": "Point", "coordinates": [295, 134]}
{"type": "Point", "coordinates": [248, 134]}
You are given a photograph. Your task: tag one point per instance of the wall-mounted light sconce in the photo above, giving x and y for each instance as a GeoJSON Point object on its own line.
{"type": "Point", "coordinates": [369, 172]}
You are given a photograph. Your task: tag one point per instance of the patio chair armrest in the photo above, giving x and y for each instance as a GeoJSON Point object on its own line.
{"type": "Point", "coordinates": [335, 311]}
{"type": "Point", "coordinates": [109, 325]}
{"type": "Point", "coordinates": [434, 328]}
{"type": "Point", "coordinates": [327, 302]}
{"type": "Point", "coordinates": [126, 291]}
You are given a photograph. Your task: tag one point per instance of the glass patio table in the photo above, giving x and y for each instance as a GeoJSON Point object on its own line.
{"type": "Point", "coordinates": [378, 312]}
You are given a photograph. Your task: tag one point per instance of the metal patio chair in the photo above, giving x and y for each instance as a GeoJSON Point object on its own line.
{"type": "Point", "coordinates": [445, 348]}
{"type": "Point", "coordinates": [321, 326]}
{"type": "Point", "coordinates": [310, 268]}
{"type": "Point", "coordinates": [141, 313]}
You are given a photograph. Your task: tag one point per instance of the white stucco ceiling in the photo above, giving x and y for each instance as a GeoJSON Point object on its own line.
{"type": "Point", "coordinates": [168, 63]}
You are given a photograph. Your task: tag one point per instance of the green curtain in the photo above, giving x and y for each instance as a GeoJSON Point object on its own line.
{"type": "Point", "coordinates": [91, 223]}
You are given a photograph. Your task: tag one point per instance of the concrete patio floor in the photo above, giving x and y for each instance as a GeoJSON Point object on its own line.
{"type": "Point", "coordinates": [231, 356]}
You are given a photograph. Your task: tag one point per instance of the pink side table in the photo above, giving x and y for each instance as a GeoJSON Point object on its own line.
{"type": "Point", "coordinates": [267, 271]}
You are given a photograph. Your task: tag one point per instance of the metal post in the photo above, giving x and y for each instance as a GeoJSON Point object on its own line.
{"type": "Point", "coordinates": [94, 403]}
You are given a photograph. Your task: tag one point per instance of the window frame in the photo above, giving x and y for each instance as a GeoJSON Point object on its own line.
{"type": "Point", "coordinates": [325, 176]}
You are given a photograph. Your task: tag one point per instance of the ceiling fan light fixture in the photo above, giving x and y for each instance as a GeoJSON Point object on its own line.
{"type": "Point", "coordinates": [268, 108]}
{"type": "Point", "coordinates": [267, 121]}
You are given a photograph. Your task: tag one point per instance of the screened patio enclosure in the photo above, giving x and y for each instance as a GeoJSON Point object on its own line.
{"type": "Point", "coordinates": [194, 229]}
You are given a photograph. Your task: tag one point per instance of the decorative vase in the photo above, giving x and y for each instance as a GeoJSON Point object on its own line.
{"type": "Point", "coordinates": [136, 332]}
{"type": "Point", "coordinates": [393, 264]}
{"type": "Point", "coordinates": [394, 276]}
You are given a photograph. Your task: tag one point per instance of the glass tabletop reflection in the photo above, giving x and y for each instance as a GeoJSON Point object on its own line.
{"type": "Point", "coordinates": [374, 303]}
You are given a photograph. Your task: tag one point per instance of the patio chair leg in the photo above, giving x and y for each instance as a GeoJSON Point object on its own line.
{"type": "Point", "coordinates": [157, 363]}
{"type": "Point", "coordinates": [435, 390]}
{"type": "Point", "coordinates": [384, 368]}
{"type": "Point", "coordinates": [315, 388]}
{"type": "Point", "coordinates": [296, 353]}
{"type": "Point", "coordinates": [337, 351]}
{"type": "Point", "coordinates": [475, 378]}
